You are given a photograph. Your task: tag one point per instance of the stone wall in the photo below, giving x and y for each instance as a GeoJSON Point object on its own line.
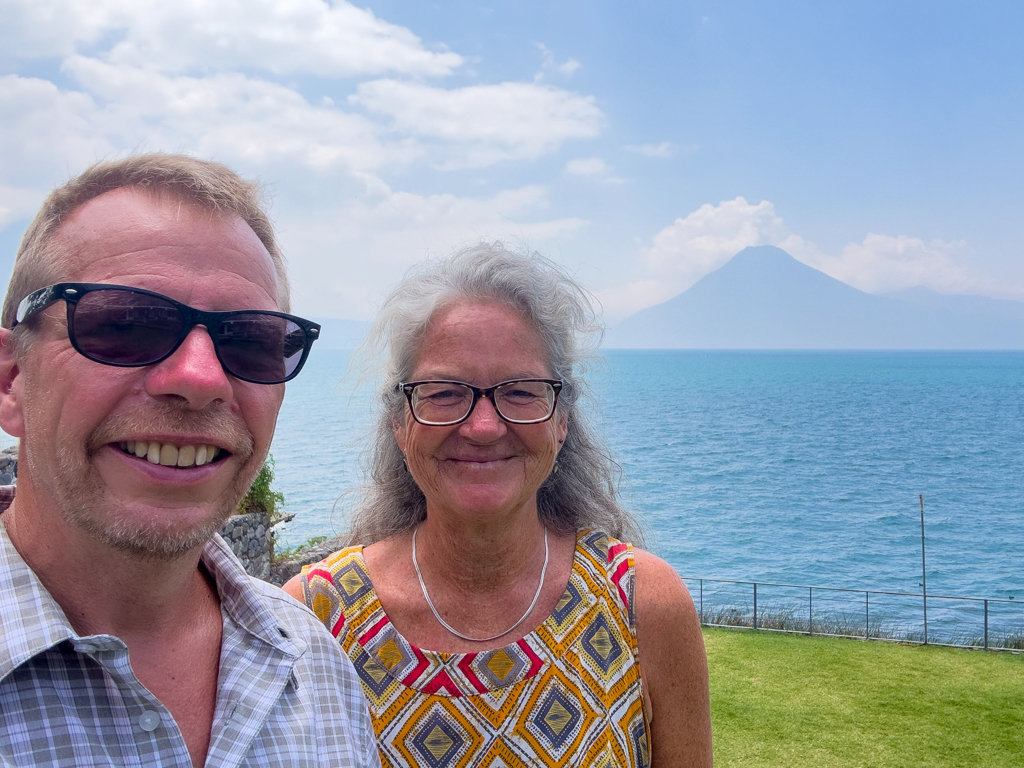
{"type": "Point", "coordinates": [249, 535]}
{"type": "Point", "coordinates": [9, 465]}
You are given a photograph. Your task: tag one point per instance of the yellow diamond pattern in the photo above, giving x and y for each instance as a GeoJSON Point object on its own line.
{"type": "Point", "coordinates": [602, 643]}
{"type": "Point", "coordinates": [351, 583]}
{"type": "Point", "coordinates": [557, 718]}
{"type": "Point", "coordinates": [500, 664]}
{"type": "Point", "coordinates": [373, 669]}
{"type": "Point", "coordinates": [390, 654]}
{"type": "Point", "coordinates": [438, 742]}
{"type": "Point", "coordinates": [322, 607]}
{"type": "Point", "coordinates": [566, 597]}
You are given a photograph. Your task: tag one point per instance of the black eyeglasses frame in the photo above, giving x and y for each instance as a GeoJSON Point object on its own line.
{"type": "Point", "coordinates": [71, 293]}
{"type": "Point", "coordinates": [479, 392]}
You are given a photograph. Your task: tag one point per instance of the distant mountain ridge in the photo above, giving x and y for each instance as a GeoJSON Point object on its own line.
{"type": "Point", "coordinates": [763, 298]}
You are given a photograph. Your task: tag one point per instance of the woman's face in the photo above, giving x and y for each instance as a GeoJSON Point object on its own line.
{"type": "Point", "coordinates": [483, 466]}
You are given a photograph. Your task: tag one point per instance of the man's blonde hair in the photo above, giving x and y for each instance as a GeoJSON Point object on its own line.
{"type": "Point", "coordinates": [204, 184]}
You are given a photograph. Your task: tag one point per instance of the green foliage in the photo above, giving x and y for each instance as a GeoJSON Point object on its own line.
{"type": "Point", "coordinates": [782, 700]}
{"type": "Point", "coordinates": [290, 553]}
{"type": "Point", "coordinates": [260, 496]}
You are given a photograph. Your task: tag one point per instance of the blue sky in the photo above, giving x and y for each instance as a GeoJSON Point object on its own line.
{"type": "Point", "coordinates": [639, 144]}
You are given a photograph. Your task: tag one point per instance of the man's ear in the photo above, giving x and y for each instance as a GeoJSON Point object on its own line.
{"type": "Point", "coordinates": [12, 419]}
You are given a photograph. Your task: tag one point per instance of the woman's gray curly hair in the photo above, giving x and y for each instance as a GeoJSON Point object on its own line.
{"type": "Point", "coordinates": [583, 492]}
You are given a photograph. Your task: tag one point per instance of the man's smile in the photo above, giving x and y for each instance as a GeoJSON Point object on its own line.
{"type": "Point", "coordinates": [173, 455]}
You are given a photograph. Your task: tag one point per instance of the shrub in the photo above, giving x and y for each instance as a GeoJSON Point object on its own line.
{"type": "Point", "coordinates": [260, 496]}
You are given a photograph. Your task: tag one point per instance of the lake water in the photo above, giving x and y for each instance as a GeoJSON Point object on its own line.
{"type": "Point", "coordinates": [794, 467]}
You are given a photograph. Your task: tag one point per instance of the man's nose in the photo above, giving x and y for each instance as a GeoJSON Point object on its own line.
{"type": "Point", "coordinates": [192, 373]}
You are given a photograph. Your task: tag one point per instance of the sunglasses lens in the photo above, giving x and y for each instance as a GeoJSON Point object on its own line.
{"type": "Point", "coordinates": [124, 327]}
{"type": "Point", "coordinates": [259, 347]}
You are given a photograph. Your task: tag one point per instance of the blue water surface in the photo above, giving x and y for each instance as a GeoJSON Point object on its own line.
{"type": "Point", "coordinates": [795, 467]}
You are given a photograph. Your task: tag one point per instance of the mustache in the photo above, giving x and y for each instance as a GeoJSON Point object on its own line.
{"type": "Point", "coordinates": [169, 418]}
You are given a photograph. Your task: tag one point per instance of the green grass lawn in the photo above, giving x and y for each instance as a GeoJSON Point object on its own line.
{"type": "Point", "coordinates": [790, 700]}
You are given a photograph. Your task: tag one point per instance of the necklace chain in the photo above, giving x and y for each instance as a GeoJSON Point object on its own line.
{"type": "Point", "coordinates": [446, 625]}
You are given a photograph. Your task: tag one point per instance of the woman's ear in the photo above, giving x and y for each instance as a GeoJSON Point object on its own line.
{"type": "Point", "coordinates": [401, 433]}
{"type": "Point", "coordinates": [562, 429]}
{"type": "Point", "coordinates": [12, 418]}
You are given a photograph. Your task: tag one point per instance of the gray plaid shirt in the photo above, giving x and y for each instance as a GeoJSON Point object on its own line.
{"type": "Point", "coordinates": [287, 695]}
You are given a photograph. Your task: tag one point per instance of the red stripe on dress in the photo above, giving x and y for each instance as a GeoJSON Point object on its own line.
{"type": "Point", "coordinates": [613, 551]}
{"type": "Point", "coordinates": [439, 681]}
{"type": "Point", "coordinates": [467, 670]}
{"type": "Point", "coordinates": [535, 661]}
{"type": "Point", "coordinates": [617, 580]}
{"type": "Point", "coordinates": [422, 665]}
{"type": "Point", "coordinates": [319, 572]}
{"type": "Point", "coordinates": [369, 634]}
{"type": "Point", "coordinates": [337, 627]}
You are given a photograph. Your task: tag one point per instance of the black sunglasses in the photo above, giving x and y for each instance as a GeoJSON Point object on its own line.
{"type": "Point", "coordinates": [131, 327]}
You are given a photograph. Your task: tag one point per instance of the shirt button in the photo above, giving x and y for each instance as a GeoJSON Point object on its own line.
{"type": "Point", "coordinates": [149, 720]}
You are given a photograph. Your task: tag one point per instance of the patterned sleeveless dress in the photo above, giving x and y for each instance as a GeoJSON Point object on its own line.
{"type": "Point", "coordinates": [567, 694]}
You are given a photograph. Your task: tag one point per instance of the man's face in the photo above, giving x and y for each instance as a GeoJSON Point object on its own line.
{"type": "Point", "coordinates": [82, 423]}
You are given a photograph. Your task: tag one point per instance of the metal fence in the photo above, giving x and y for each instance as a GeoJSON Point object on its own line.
{"type": "Point", "coordinates": [963, 622]}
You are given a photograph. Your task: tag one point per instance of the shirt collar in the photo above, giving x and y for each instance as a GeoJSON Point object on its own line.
{"type": "Point", "coordinates": [245, 600]}
{"type": "Point", "coordinates": [33, 622]}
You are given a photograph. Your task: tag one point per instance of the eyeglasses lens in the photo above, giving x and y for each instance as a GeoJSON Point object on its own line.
{"type": "Point", "coordinates": [124, 327]}
{"type": "Point", "coordinates": [260, 347]}
{"type": "Point", "coordinates": [516, 401]}
{"type": "Point", "coordinates": [524, 400]}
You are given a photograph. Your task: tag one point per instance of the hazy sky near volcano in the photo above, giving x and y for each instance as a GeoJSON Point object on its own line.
{"type": "Point", "coordinates": [639, 144]}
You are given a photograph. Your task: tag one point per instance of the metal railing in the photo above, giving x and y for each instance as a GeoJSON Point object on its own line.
{"type": "Point", "coordinates": [962, 622]}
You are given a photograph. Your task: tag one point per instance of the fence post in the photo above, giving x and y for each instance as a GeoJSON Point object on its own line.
{"type": "Point", "coordinates": [702, 601]}
{"type": "Point", "coordinates": [986, 625]}
{"type": "Point", "coordinates": [810, 610]}
{"type": "Point", "coordinates": [924, 575]}
{"type": "Point", "coordinates": [755, 605]}
{"type": "Point", "coordinates": [867, 617]}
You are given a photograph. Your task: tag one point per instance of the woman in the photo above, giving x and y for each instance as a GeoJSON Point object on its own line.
{"type": "Point", "coordinates": [493, 614]}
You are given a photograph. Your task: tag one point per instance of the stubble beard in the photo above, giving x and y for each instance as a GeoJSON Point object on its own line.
{"type": "Point", "coordinates": [81, 497]}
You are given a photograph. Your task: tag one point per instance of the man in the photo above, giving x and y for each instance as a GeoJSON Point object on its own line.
{"type": "Point", "coordinates": [142, 360]}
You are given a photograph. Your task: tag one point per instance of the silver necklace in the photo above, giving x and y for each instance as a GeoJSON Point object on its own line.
{"type": "Point", "coordinates": [446, 625]}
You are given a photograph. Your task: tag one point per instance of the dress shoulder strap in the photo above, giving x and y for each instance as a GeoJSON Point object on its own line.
{"type": "Point", "coordinates": [336, 584]}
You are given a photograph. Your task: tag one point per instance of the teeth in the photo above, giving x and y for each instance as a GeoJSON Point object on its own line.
{"type": "Point", "coordinates": [171, 455]}
{"type": "Point", "coordinates": [186, 456]}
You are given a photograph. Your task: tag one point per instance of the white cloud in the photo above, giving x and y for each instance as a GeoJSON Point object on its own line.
{"type": "Point", "coordinates": [484, 124]}
{"type": "Point", "coordinates": [342, 259]}
{"type": "Point", "coordinates": [586, 166]}
{"type": "Point", "coordinates": [551, 65]}
{"type": "Point", "coordinates": [231, 81]}
{"type": "Point", "coordinates": [883, 263]}
{"type": "Point", "coordinates": [334, 39]}
{"type": "Point", "coordinates": [691, 247]}
{"type": "Point", "coordinates": [593, 168]}
{"type": "Point", "coordinates": [664, 150]}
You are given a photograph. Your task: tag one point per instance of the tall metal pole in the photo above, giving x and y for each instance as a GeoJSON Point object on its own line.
{"type": "Point", "coordinates": [924, 574]}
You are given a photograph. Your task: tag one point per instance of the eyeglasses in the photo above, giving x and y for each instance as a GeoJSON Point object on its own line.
{"type": "Point", "coordinates": [444, 403]}
{"type": "Point", "coordinates": [130, 327]}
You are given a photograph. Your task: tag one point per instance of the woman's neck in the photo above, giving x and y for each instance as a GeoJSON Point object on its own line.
{"type": "Point", "coordinates": [480, 557]}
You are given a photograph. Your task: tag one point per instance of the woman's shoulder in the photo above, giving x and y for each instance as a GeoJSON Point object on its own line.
{"type": "Point", "coordinates": [327, 569]}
